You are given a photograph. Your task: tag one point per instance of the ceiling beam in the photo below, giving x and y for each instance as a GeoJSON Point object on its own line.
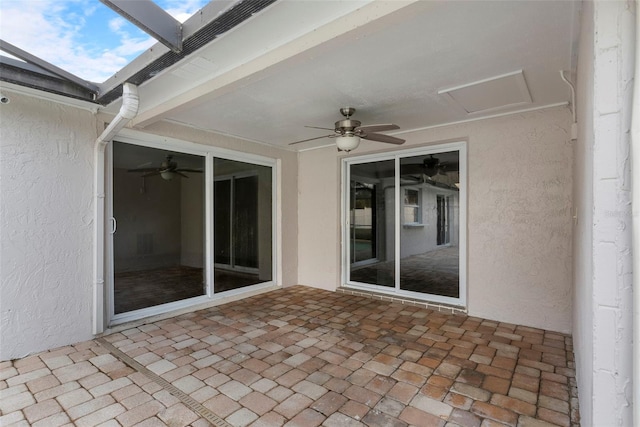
{"type": "Point", "coordinates": [152, 19]}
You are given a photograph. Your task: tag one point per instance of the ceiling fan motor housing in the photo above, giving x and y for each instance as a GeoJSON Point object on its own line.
{"type": "Point", "coordinates": [347, 125]}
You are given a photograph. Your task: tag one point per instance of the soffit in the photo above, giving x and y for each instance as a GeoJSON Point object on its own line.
{"type": "Point", "coordinates": [296, 63]}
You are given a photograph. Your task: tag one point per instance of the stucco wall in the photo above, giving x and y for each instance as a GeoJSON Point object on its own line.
{"type": "Point", "coordinates": [46, 220]}
{"type": "Point", "coordinates": [603, 277]}
{"type": "Point", "coordinates": [519, 215]}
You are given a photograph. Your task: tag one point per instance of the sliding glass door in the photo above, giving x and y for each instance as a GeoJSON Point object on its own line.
{"type": "Point", "coordinates": [186, 225]}
{"type": "Point", "coordinates": [158, 227]}
{"type": "Point", "coordinates": [404, 223]}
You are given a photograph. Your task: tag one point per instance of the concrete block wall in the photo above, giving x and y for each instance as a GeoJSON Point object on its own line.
{"type": "Point", "coordinates": [602, 237]}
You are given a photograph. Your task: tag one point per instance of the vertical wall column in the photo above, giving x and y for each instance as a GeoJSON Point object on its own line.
{"type": "Point", "coordinates": [612, 274]}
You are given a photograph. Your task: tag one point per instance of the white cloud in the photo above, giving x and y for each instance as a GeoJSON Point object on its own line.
{"type": "Point", "coordinates": [116, 24]}
{"type": "Point", "coordinates": [58, 32]}
{"type": "Point", "coordinates": [182, 9]}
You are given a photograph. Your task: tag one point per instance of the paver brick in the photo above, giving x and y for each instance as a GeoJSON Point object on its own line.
{"type": "Point", "coordinates": [270, 419]}
{"type": "Point", "coordinates": [74, 398]}
{"type": "Point", "coordinates": [41, 410]}
{"type": "Point", "coordinates": [221, 405]}
{"type": "Point", "coordinates": [27, 377]}
{"type": "Point", "coordinates": [431, 406]}
{"type": "Point", "coordinates": [42, 383]}
{"type": "Point", "coordinates": [362, 395]}
{"type": "Point", "coordinates": [516, 405]}
{"type": "Point", "coordinates": [16, 402]}
{"type": "Point", "coordinates": [354, 409]}
{"type": "Point", "coordinates": [293, 405]}
{"type": "Point", "coordinates": [258, 403]}
{"type": "Point", "coordinates": [140, 413]}
{"type": "Point", "coordinates": [341, 420]}
{"type": "Point", "coordinates": [54, 420]}
{"type": "Point", "coordinates": [75, 372]}
{"type": "Point", "coordinates": [309, 389]}
{"type": "Point", "coordinates": [101, 415]}
{"type": "Point", "coordinates": [419, 418]}
{"type": "Point", "coordinates": [486, 410]}
{"type": "Point", "coordinates": [177, 415]}
{"type": "Point", "coordinates": [553, 417]}
{"type": "Point", "coordinates": [110, 387]}
{"type": "Point", "coordinates": [474, 393]}
{"type": "Point", "coordinates": [306, 418]}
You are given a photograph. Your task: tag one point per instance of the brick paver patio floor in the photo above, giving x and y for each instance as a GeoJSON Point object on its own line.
{"type": "Point", "coordinates": [302, 357]}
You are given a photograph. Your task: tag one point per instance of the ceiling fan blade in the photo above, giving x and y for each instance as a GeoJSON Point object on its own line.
{"type": "Point", "coordinates": [188, 170]}
{"type": "Point", "coordinates": [142, 170]}
{"type": "Point", "coordinates": [383, 138]}
{"type": "Point", "coordinates": [180, 173]}
{"type": "Point", "coordinates": [311, 139]}
{"type": "Point", "coordinates": [156, 172]}
{"type": "Point", "coordinates": [316, 127]}
{"type": "Point", "coordinates": [378, 128]}
{"type": "Point", "coordinates": [449, 166]}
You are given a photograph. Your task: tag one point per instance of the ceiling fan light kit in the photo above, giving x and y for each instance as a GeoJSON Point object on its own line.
{"type": "Point", "coordinates": [166, 175]}
{"type": "Point", "coordinates": [347, 142]}
{"type": "Point", "coordinates": [348, 132]}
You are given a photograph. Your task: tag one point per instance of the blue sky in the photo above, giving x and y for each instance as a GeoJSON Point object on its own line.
{"type": "Point", "coordinates": [83, 37]}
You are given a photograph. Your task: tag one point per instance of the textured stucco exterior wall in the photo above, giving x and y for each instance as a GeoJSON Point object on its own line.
{"type": "Point", "coordinates": [603, 276]}
{"type": "Point", "coordinates": [46, 225]}
{"type": "Point", "coordinates": [519, 215]}
{"type": "Point", "coordinates": [46, 219]}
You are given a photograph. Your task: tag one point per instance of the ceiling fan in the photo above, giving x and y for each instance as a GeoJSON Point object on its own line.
{"type": "Point", "coordinates": [167, 170]}
{"type": "Point", "coordinates": [430, 166]}
{"type": "Point", "coordinates": [433, 166]}
{"type": "Point", "coordinates": [349, 132]}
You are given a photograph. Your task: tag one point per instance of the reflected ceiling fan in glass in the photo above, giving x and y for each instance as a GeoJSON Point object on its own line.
{"type": "Point", "coordinates": [167, 170]}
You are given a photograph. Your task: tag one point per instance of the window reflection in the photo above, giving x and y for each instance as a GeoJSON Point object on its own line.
{"type": "Point", "coordinates": [428, 224]}
{"type": "Point", "coordinates": [242, 224]}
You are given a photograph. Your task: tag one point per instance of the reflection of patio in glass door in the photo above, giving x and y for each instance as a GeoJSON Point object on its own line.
{"type": "Point", "coordinates": [242, 224]}
{"type": "Point", "coordinates": [404, 224]}
{"type": "Point", "coordinates": [363, 222]}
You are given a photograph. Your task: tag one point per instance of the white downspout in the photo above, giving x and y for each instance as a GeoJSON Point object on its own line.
{"type": "Point", "coordinates": [128, 111]}
{"type": "Point", "coordinates": [635, 225]}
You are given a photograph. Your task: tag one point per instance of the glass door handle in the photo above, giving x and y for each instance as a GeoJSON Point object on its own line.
{"type": "Point", "coordinates": [114, 225]}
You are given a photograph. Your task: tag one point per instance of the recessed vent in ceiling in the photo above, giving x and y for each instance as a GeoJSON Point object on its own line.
{"type": "Point", "coordinates": [495, 93]}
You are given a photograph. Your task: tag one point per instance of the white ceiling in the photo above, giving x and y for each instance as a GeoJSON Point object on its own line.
{"type": "Point", "coordinates": [297, 62]}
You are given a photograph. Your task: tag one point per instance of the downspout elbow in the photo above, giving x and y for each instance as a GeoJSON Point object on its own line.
{"type": "Point", "coordinates": [128, 110]}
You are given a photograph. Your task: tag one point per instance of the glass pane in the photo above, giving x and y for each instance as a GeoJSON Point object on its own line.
{"type": "Point", "coordinates": [372, 219]}
{"type": "Point", "coordinates": [242, 224]}
{"type": "Point", "coordinates": [429, 237]}
{"type": "Point", "coordinates": [158, 203]}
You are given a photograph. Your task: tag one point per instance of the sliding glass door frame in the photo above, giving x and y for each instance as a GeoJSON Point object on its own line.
{"type": "Point", "coordinates": [396, 156]}
{"type": "Point", "coordinates": [209, 153]}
